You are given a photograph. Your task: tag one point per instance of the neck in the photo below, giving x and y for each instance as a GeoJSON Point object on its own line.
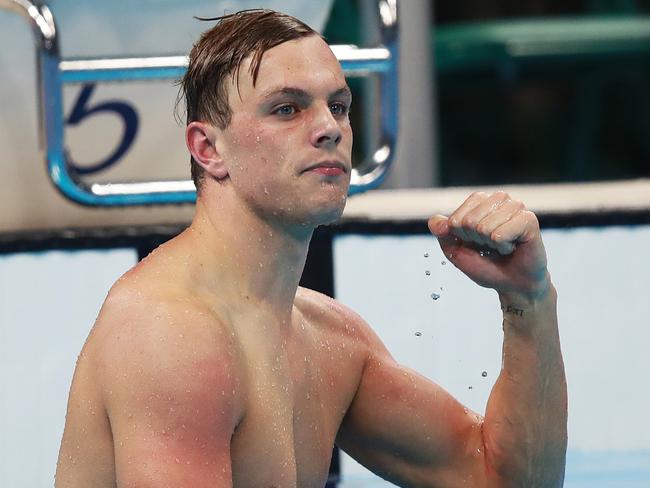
{"type": "Point", "coordinates": [245, 259]}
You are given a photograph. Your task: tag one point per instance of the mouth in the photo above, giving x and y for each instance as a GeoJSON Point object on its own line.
{"type": "Point", "coordinates": [328, 168]}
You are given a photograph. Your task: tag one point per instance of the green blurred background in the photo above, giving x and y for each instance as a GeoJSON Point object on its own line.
{"type": "Point", "coordinates": [533, 92]}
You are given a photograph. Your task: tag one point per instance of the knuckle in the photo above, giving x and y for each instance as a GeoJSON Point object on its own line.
{"type": "Point", "coordinates": [528, 214]}
{"type": "Point", "coordinates": [531, 217]}
{"type": "Point", "coordinates": [497, 237]}
{"type": "Point", "coordinates": [468, 222]}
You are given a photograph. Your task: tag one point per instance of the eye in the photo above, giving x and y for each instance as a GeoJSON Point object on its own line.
{"type": "Point", "coordinates": [285, 110]}
{"type": "Point", "coordinates": [339, 108]}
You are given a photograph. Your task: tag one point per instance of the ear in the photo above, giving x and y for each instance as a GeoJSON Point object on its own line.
{"type": "Point", "coordinates": [201, 139]}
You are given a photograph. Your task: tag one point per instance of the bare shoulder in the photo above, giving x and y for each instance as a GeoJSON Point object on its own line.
{"type": "Point", "coordinates": [338, 318]}
{"type": "Point", "coordinates": [156, 338]}
{"type": "Point", "coordinates": [147, 320]}
{"type": "Point", "coordinates": [322, 308]}
{"type": "Point", "coordinates": [153, 364]}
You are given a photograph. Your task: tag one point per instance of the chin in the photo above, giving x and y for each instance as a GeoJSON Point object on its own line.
{"type": "Point", "coordinates": [320, 214]}
{"type": "Point", "coordinates": [330, 213]}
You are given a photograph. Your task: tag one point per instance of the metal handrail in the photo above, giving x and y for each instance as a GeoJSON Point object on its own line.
{"type": "Point", "coordinates": [54, 72]}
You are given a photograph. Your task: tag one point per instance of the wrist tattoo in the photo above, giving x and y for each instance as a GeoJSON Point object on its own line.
{"type": "Point", "coordinates": [512, 310]}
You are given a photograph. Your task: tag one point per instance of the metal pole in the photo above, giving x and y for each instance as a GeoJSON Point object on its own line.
{"type": "Point", "coordinates": [416, 163]}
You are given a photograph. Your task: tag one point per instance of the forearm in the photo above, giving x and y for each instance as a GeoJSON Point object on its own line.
{"type": "Point", "coordinates": [525, 423]}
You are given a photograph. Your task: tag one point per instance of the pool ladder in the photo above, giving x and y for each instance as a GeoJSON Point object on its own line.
{"type": "Point", "coordinates": [54, 73]}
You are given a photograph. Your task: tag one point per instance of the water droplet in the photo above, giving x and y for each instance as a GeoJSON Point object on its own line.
{"type": "Point", "coordinates": [443, 263]}
{"type": "Point", "coordinates": [470, 387]}
{"type": "Point", "coordinates": [426, 254]}
{"type": "Point", "coordinates": [435, 296]}
{"type": "Point", "coordinates": [418, 334]}
{"type": "Point", "coordinates": [484, 374]}
{"type": "Point", "coordinates": [427, 272]}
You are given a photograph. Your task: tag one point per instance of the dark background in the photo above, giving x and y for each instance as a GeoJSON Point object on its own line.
{"type": "Point", "coordinates": [549, 122]}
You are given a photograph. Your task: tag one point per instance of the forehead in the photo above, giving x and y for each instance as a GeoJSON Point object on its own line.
{"type": "Point", "coordinates": [307, 62]}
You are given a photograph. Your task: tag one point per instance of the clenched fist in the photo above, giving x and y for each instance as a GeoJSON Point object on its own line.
{"type": "Point", "coordinates": [496, 242]}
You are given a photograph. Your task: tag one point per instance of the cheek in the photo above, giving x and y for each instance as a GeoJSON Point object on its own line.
{"type": "Point", "coordinates": [256, 142]}
{"type": "Point", "coordinates": [257, 163]}
{"type": "Point", "coordinates": [348, 136]}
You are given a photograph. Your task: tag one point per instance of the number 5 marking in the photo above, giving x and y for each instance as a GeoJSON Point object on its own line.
{"type": "Point", "coordinates": [128, 114]}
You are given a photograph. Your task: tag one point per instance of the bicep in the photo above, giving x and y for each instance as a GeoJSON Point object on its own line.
{"type": "Point", "coordinates": [409, 430]}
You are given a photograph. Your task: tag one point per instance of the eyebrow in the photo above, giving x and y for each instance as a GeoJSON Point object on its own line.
{"type": "Point", "coordinates": [300, 93]}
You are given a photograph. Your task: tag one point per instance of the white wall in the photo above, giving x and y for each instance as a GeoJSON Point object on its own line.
{"type": "Point", "coordinates": [48, 303]}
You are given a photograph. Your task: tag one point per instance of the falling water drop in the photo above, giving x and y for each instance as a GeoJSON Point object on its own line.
{"type": "Point", "coordinates": [435, 296]}
{"type": "Point", "coordinates": [484, 374]}
{"type": "Point", "coordinates": [426, 254]}
{"type": "Point", "coordinates": [427, 272]}
{"type": "Point", "coordinates": [443, 262]}
{"type": "Point", "coordinates": [418, 334]}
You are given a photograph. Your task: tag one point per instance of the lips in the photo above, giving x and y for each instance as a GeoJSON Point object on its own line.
{"type": "Point", "coordinates": [329, 168]}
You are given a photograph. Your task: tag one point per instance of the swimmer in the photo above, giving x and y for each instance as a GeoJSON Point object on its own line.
{"type": "Point", "coordinates": [208, 366]}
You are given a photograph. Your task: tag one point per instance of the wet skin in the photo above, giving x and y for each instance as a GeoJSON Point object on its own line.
{"type": "Point", "coordinates": [182, 371]}
{"type": "Point", "coordinates": [209, 367]}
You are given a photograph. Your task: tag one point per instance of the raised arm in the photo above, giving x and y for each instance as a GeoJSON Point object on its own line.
{"type": "Point", "coordinates": [497, 243]}
{"type": "Point", "coordinates": [412, 432]}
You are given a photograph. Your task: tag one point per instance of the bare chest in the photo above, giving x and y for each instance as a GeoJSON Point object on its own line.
{"type": "Point", "coordinates": [295, 405]}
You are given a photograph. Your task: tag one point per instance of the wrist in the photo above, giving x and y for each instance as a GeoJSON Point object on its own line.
{"type": "Point", "coordinates": [521, 308]}
{"type": "Point", "coordinates": [541, 291]}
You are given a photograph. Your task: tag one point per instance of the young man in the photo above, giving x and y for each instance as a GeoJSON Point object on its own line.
{"type": "Point", "coordinates": [209, 367]}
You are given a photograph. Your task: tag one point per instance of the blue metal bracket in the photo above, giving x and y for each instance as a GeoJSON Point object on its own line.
{"type": "Point", "coordinates": [54, 73]}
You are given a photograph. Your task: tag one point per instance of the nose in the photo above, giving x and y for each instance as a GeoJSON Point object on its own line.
{"type": "Point", "coordinates": [325, 129]}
